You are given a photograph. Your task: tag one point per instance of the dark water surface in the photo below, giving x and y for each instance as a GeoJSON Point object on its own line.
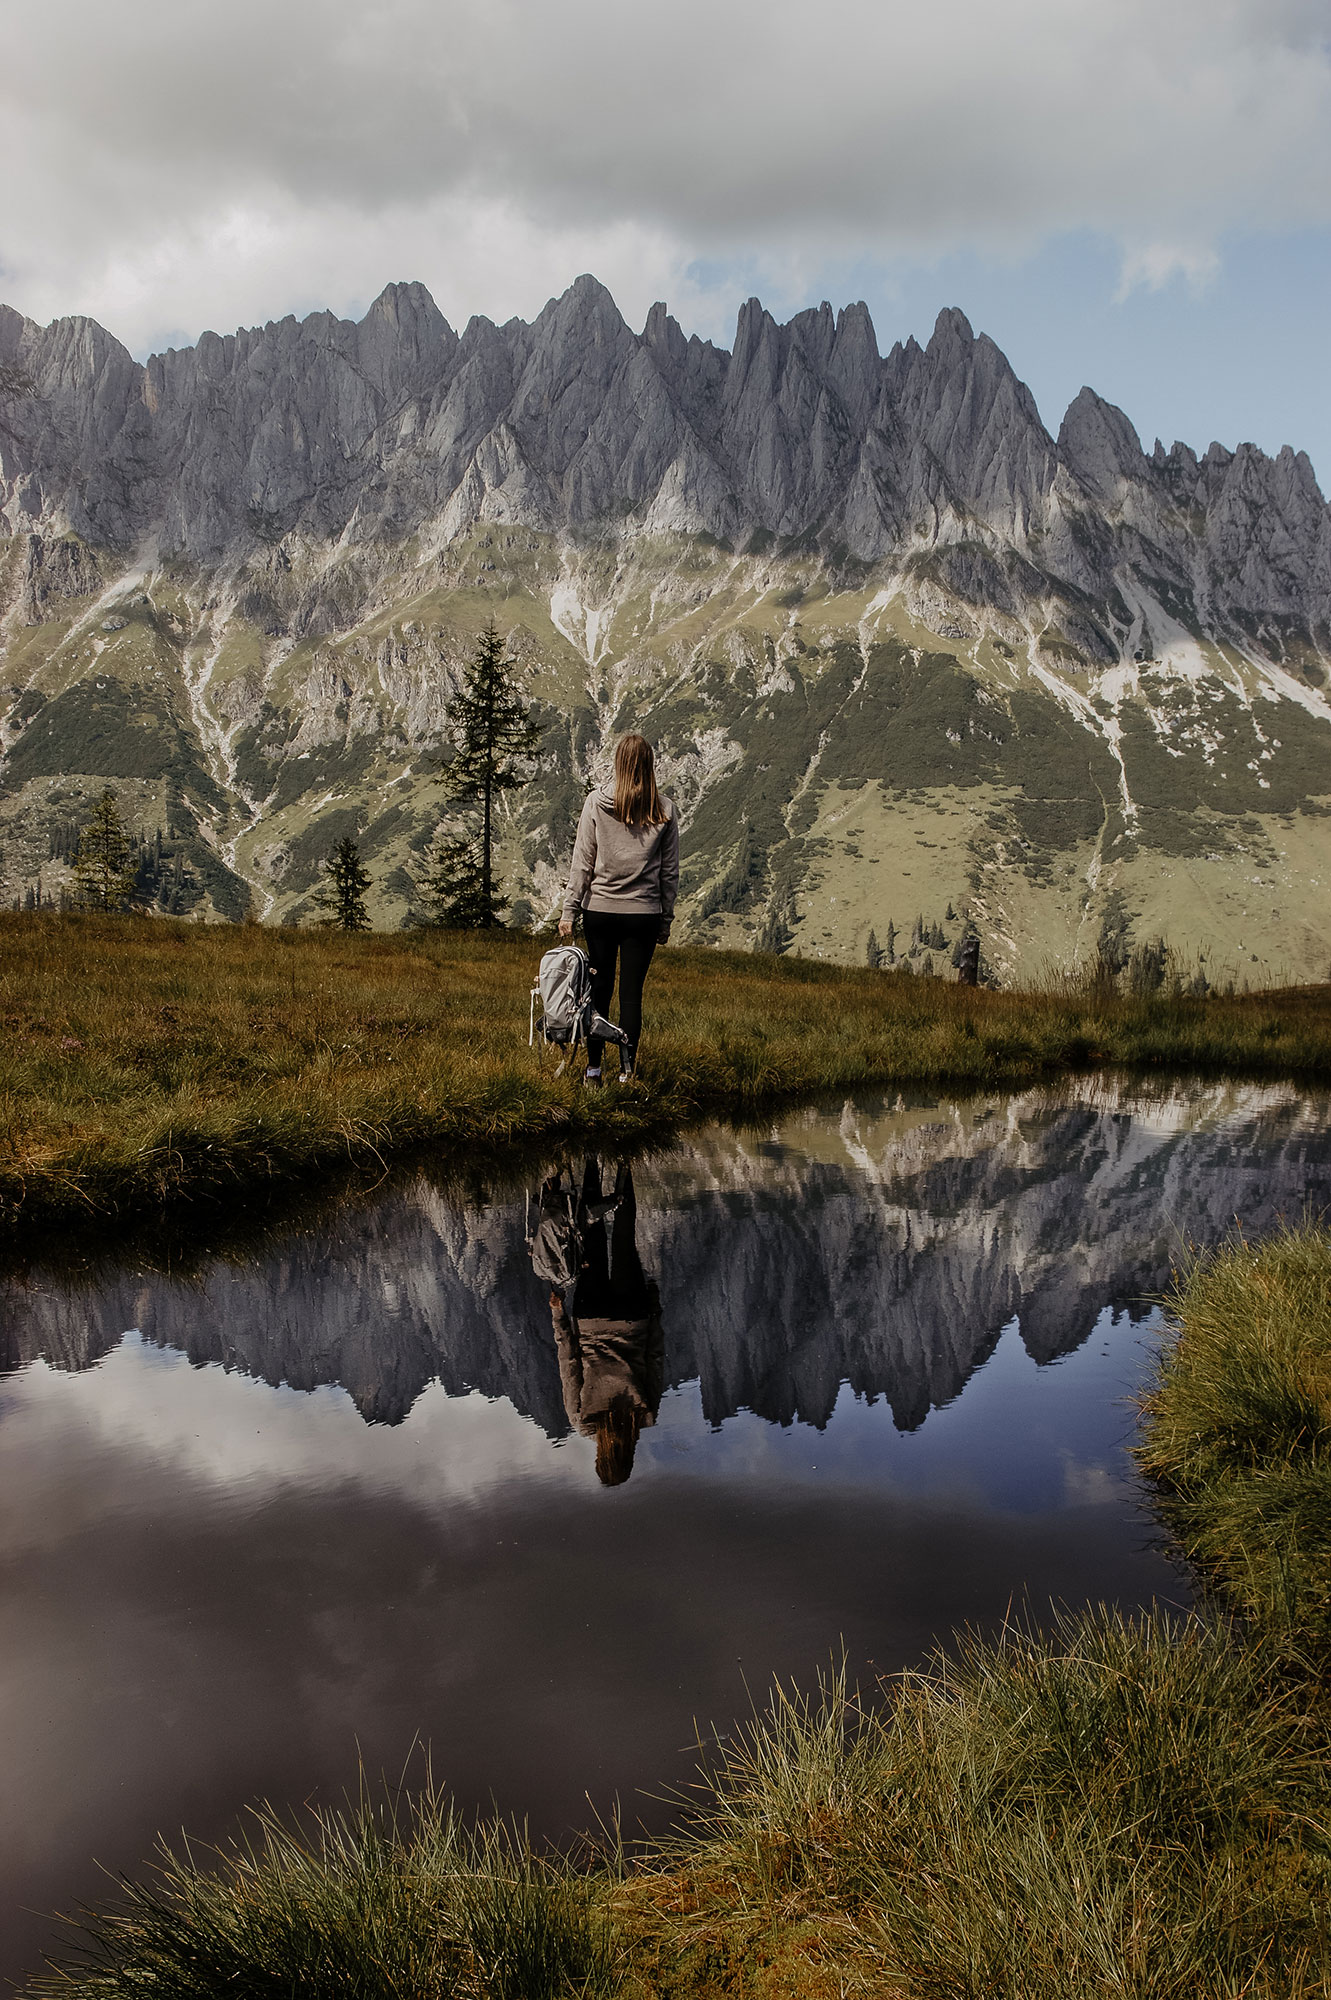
{"type": "Point", "coordinates": [327, 1501]}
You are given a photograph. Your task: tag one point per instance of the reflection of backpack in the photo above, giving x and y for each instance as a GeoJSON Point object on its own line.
{"type": "Point", "coordinates": [564, 989]}
{"type": "Point", "coordinates": [555, 1244]}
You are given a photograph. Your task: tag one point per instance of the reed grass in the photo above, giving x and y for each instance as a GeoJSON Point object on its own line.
{"type": "Point", "coordinates": [149, 1068]}
{"type": "Point", "coordinates": [1118, 1806]}
{"type": "Point", "coordinates": [365, 1903]}
{"type": "Point", "coordinates": [1237, 1432]}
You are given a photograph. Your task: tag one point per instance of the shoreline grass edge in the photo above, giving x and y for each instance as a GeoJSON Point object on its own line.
{"type": "Point", "coordinates": [154, 1069]}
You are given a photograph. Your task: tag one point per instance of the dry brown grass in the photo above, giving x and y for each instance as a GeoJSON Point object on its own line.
{"type": "Point", "coordinates": [1238, 1433]}
{"type": "Point", "coordinates": [152, 1067]}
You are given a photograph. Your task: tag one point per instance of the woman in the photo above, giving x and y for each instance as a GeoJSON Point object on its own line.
{"type": "Point", "coordinates": [624, 879]}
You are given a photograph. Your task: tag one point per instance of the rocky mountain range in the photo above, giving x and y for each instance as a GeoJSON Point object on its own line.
{"type": "Point", "coordinates": [886, 1246]}
{"type": "Point", "coordinates": [902, 649]}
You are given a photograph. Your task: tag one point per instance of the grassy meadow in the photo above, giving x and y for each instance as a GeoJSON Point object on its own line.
{"type": "Point", "coordinates": [151, 1070]}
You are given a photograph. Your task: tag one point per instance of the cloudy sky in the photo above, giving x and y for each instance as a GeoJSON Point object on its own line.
{"type": "Point", "coordinates": [1134, 193]}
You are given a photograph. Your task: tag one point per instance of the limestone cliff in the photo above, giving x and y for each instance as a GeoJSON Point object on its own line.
{"type": "Point", "coordinates": [875, 615]}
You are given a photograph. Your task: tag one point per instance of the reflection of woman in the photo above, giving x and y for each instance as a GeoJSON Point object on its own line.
{"type": "Point", "coordinates": [610, 1345]}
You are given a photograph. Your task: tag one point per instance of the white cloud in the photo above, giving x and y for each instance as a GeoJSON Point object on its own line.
{"type": "Point", "coordinates": [1154, 264]}
{"type": "Point", "coordinates": [211, 1429]}
{"type": "Point", "coordinates": [180, 164]}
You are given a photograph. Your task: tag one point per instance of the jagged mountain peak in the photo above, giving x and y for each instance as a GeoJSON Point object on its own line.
{"type": "Point", "coordinates": [1100, 445]}
{"type": "Point", "coordinates": [952, 330]}
{"type": "Point", "coordinates": [409, 306]}
{"type": "Point", "coordinates": [799, 428]}
{"type": "Point", "coordinates": [810, 568]}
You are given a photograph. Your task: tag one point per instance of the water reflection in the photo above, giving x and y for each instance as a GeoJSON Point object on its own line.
{"type": "Point", "coordinates": [609, 1338]}
{"type": "Point", "coordinates": [884, 1247]}
{"type": "Point", "coordinates": [339, 1499]}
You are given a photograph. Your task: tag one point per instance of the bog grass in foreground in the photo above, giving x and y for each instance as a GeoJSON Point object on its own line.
{"type": "Point", "coordinates": [149, 1066]}
{"type": "Point", "coordinates": [1238, 1432]}
{"type": "Point", "coordinates": [352, 1905]}
{"type": "Point", "coordinates": [1120, 1807]}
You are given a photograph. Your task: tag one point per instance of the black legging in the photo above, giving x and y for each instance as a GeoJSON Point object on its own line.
{"type": "Point", "coordinates": [632, 940]}
{"type": "Point", "coordinates": [611, 1284]}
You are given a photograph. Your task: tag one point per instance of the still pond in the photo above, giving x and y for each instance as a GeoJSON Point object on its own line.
{"type": "Point", "coordinates": [338, 1497]}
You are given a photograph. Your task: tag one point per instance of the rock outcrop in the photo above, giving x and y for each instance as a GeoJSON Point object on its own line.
{"type": "Point", "coordinates": [805, 568]}
{"type": "Point", "coordinates": [575, 424]}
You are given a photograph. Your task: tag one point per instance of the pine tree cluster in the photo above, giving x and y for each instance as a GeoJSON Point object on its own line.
{"type": "Point", "coordinates": [116, 869]}
{"type": "Point", "coordinates": [954, 936]}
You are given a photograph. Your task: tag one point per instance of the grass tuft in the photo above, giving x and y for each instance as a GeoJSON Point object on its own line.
{"type": "Point", "coordinates": [352, 1905]}
{"type": "Point", "coordinates": [1119, 1806]}
{"type": "Point", "coordinates": [1238, 1431]}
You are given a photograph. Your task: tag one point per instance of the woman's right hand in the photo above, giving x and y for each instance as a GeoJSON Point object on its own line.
{"type": "Point", "coordinates": [566, 927]}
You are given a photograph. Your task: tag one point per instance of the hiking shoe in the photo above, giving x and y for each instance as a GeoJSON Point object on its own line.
{"type": "Point", "coordinates": [592, 1078]}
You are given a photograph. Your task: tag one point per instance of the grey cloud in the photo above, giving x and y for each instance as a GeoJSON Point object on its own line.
{"type": "Point", "coordinates": [158, 132]}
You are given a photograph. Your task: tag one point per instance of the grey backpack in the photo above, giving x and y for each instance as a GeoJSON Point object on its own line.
{"type": "Point", "coordinates": [554, 1244]}
{"type": "Point", "coordinates": [564, 989]}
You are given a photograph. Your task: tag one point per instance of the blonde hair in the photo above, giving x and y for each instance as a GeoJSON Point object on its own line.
{"type": "Point", "coordinates": [637, 801]}
{"type": "Point", "coordinates": [617, 1431]}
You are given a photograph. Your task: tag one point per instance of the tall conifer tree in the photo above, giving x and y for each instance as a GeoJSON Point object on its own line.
{"type": "Point", "coordinates": [449, 880]}
{"type": "Point", "coordinates": [102, 866]}
{"type": "Point", "coordinates": [342, 895]}
{"type": "Point", "coordinates": [492, 730]}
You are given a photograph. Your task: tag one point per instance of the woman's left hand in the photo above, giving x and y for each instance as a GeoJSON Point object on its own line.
{"type": "Point", "coordinates": [566, 927]}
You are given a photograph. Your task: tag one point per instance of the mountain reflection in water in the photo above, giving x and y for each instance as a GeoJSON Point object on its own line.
{"type": "Point", "coordinates": [216, 1586]}
{"type": "Point", "coordinates": [885, 1248]}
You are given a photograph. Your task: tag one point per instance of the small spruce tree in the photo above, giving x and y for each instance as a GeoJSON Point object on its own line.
{"type": "Point", "coordinates": [873, 951]}
{"type": "Point", "coordinates": [342, 894]}
{"type": "Point", "coordinates": [103, 867]}
{"type": "Point", "coordinates": [492, 731]}
{"type": "Point", "coordinates": [890, 947]}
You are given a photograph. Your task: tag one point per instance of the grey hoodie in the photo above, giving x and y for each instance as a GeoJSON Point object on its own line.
{"type": "Point", "coordinates": [619, 870]}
